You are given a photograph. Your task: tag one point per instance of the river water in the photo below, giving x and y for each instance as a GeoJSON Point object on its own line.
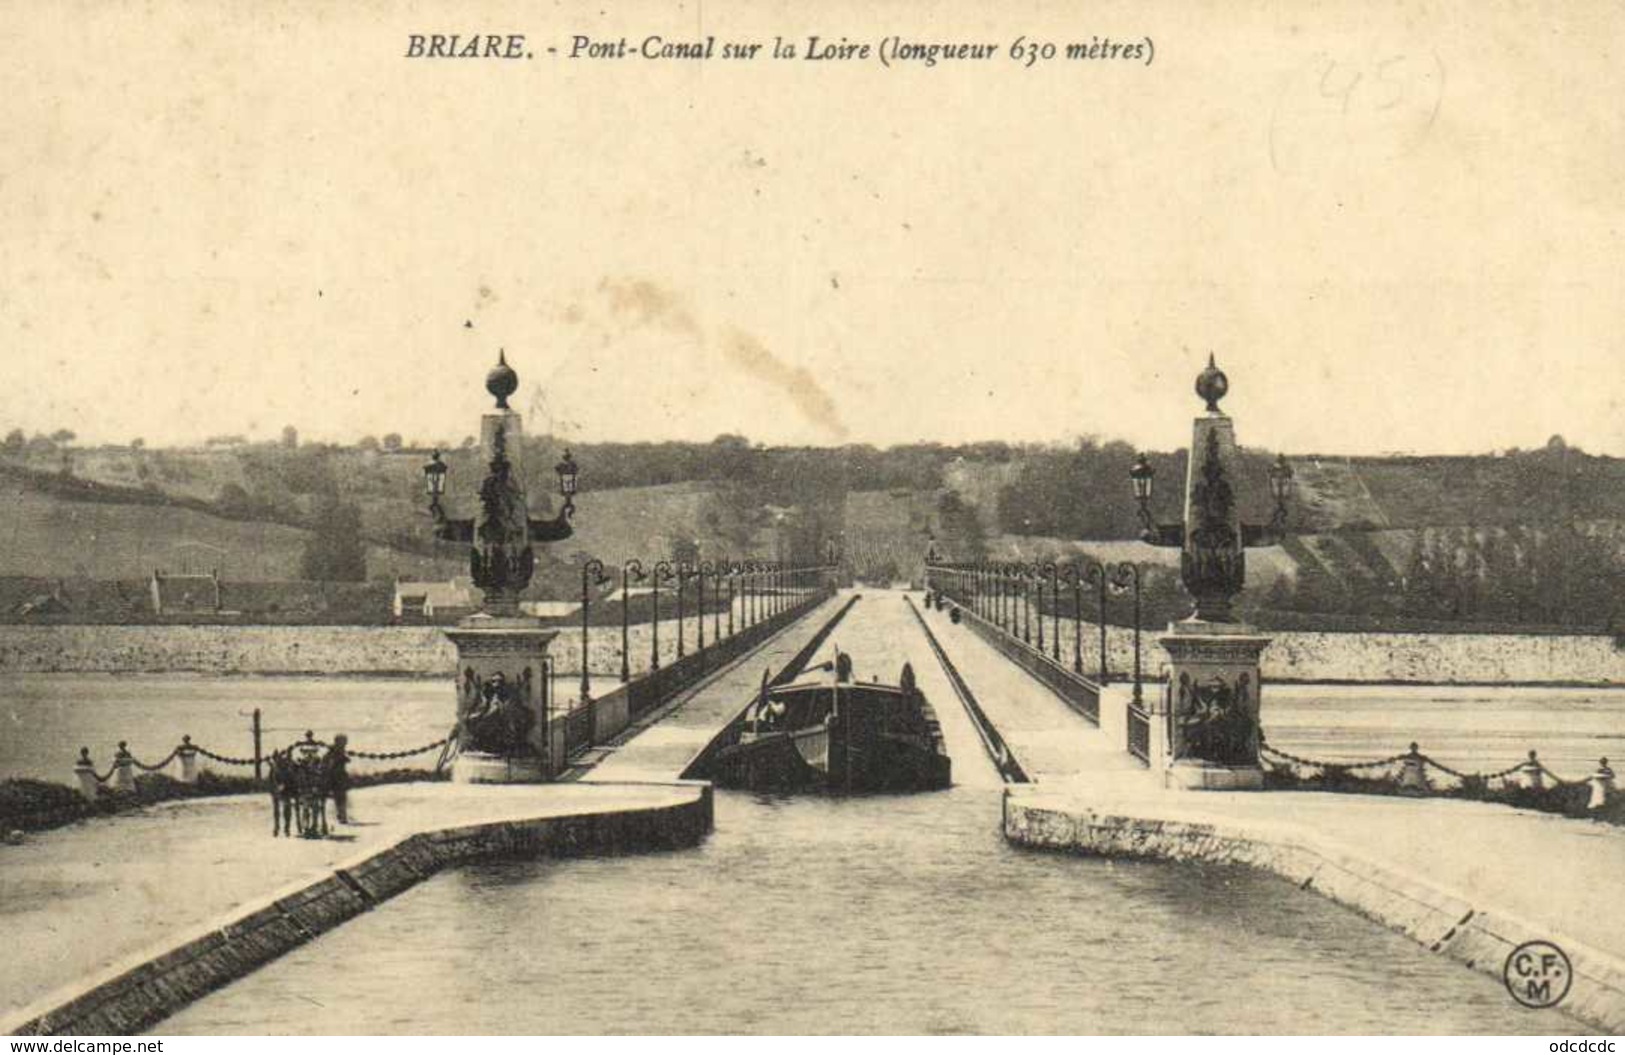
{"type": "Point", "coordinates": [898, 914]}
{"type": "Point", "coordinates": [45, 718]}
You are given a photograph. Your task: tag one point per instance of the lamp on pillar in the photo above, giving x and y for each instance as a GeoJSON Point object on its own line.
{"type": "Point", "coordinates": [567, 471]}
{"type": "Point", "coordinates": [1210, 704]}
{"type": "Point", "coordinates": [502, 721]}
{"type": "Point", "coordinates": [434, 483]}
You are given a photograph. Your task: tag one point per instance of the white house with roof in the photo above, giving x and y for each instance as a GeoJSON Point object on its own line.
{"type": "Point", "coordinates": [431, 602]}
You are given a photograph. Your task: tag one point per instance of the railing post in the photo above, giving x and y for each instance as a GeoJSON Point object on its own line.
{"type": "Point", "coordinates": [1533, 776]}
{"type": "Point", "coordinates": [188, 756]}
{"type": "Point", "coordinates": [123, 768]}
{"type": "Point", "coordinates": [1413, 774]}
{"type": "Point", "coordinates": [1602, 786]}
{"type": "Point", "coordinates": [84, 771]}
{"type": "Point", "coordinates": [258, 744]}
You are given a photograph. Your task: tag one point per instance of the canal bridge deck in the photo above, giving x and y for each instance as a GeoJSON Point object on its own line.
{"type": "Point", "coordinates": [878, 632]}
{"type": "Point", "coordinates": [1052, 741]}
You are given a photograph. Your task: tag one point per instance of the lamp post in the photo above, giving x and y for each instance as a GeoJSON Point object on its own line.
{"type": "Point", "coordinates": [1001, 600]}
{"type": "Point", "coordinates": [1055, 610]}
{"type": "Point", "coordinates": [685, 571]}
{"type": "Point", "coordinates": [592, 574]}
{"type": "Point", "coordinates": [1038, 602]}
{"type": "Point", "coordinates": [1072, 575]}
{"type": "Point", "coordinates": [662, 573]}
{"type": "Point", "coordinates": [631, 571]}
{"type": "Point", "coordinates": [1211, 708]}
{"type": "Point", "coordinates": [702, 569]}
{"type": "Point", "coordinates": [1094, 574]}
{"type": "Point", "coordinates": [719, 569]}
{"type": "Point", "coordinates": [1024, 585]}
{"type": "Point", "coordinates": [733, 577]}
{"type": "Point", "coordinates": [502, 659]}
{"type": "Point", "coordinates": [1127, 576]}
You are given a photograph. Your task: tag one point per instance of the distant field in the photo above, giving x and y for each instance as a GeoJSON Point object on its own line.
{"type": "Point", "coordinates": [43, 535]}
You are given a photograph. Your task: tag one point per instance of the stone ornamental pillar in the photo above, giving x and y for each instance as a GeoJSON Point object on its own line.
{"type": "Point", "coordinates": [1211, 700]}
{"type": "Point", "coordinates": [501, 677]}
{"type": "Point", "coordinates": [188, 756]}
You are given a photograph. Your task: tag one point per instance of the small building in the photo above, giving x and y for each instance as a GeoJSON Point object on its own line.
{"type": "Point", "coordinates": [434, 602]}
{"type": "Point", "coordinates": [52, 603]}
{"type": "Point", "coordinates": [550, 609]}
{"type": "Point", "coordinates": [185, 594]}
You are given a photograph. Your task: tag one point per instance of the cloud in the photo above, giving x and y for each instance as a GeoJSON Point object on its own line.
{"type": "Point", "coordinates": [752, 357]}
{"type": "Point", "coordinates": [641, 303]}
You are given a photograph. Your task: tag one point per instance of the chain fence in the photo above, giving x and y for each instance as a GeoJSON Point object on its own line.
{"type": "Point", "coordinates": [1528, 783]}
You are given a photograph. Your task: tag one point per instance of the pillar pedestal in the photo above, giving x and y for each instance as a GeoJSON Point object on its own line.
{"type": "Point", "coordinates": [502, 699]}
{"type": "Point", "coordinates": [1211, 701]}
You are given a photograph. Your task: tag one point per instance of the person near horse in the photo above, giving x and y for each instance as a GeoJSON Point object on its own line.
{"type": "Point", "coordinates": [282, 793]}
{"type": "Point", "coordinates": [338, 776]}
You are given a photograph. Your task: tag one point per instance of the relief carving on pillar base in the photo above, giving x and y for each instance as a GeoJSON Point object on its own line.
{"type": "Point", "coordinates": [498, 714]}
{"type": "Point", "coordinates": [1215, 717]}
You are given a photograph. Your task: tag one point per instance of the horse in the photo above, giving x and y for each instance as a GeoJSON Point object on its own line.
{"type": "Point", "coordinates": [310, 796]}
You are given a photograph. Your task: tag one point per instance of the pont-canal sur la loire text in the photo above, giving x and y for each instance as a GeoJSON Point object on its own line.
{"type": "Point", "coordinates": [887, 50]}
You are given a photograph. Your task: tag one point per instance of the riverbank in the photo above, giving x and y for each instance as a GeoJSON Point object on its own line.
{"type": "Point", "coordinates": [1469, 881]}
{"type": "Point", "coordinates": [115, 924]}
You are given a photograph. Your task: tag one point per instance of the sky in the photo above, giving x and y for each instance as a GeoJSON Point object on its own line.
{"type": "Point", "coordinates": [1397, 227]}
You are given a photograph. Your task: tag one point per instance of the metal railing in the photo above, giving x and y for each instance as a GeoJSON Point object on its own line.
{"type": "Point", "coordinates": [1139, 734]}
{"type": "Point", "coordinates": [1005, 603]}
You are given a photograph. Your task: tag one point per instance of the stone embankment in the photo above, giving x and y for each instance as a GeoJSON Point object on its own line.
{"type": "Point", "coordinates": [1317, 657]}
{"type": "Point", "coordinates": [1472, 904]}
{"type": "Point", "coordinates": [406, 650]}
{"type": "Point", "coordinates": [146, 986]}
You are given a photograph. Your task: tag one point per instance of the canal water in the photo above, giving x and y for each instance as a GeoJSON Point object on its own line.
{"type": "Point", "coordinates": [898, 914]}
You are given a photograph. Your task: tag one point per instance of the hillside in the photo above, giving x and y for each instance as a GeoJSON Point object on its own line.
{"type": "Point", "coordinates": [1522, 536]}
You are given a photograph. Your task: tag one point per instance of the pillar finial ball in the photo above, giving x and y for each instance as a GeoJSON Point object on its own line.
{"type": "Point", "coordinates": [1211, 384]}
{"type": "Point", "coordinates": [502, 382]}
